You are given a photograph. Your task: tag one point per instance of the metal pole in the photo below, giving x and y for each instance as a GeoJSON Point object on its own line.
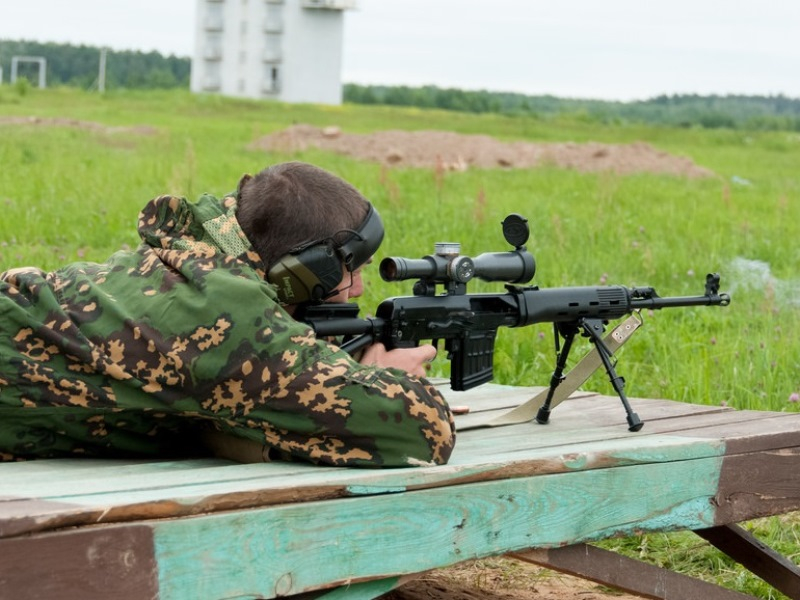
{"type": "Point", "coordinates": [101, 77]}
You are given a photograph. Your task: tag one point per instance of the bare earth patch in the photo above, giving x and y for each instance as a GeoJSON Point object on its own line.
{"type": "Point", "coordinates": [459, 152]}
{"type": "Point", "coordinates": [77, 124]}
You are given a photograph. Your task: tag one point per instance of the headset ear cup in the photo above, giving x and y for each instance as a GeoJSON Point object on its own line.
{"type": "Point", "coordinates": [309, 275]}
{"type": "Point", "coordinates": [325, 264]}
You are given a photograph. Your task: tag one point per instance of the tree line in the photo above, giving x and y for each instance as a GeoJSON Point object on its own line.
{"type": "Point", "coordinates": [79, 66]}
{"type": "Point", "coordinates": [682, 110]}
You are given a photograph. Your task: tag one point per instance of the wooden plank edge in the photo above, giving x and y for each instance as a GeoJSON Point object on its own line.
{"type": "Point", "coordinates": [51, 515]}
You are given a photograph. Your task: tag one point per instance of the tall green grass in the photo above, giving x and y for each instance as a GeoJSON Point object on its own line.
{"type": "Point", "coordinates": [72, 192]}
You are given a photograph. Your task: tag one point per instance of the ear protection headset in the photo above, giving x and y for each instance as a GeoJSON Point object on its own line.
{"type": "Point", "coordinates": [313, 270]}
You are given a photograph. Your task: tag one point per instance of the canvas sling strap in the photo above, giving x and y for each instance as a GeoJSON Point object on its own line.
{"type": "Point", "coordinates": [576, 377]}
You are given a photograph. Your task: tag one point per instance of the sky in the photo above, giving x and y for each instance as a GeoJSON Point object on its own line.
{"type": "Point", "coordinates": [613, 49]}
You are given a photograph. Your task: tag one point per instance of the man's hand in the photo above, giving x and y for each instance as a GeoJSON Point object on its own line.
{"type": "Point", "coordinates": [411, 360]}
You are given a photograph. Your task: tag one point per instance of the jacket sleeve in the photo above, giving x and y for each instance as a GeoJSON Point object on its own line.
{"type": "Point", "coordinates": [307, 398]}
{"type": "Point", "coordinates": [263, 376]}
{"type": "Point", "coordinates": [147, 345]}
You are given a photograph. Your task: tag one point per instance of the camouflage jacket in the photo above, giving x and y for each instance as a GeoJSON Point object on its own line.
{"type": "Point", "coordinates": [138, 355]}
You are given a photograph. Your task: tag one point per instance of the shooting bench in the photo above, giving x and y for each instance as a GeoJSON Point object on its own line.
{"type": "Point", "coordinates": [210, 529]}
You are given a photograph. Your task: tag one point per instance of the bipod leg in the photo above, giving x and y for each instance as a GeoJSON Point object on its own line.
{"type": "Point", "coordinates": [593, 328]}
{"type": "Point", "coordinates": [568, 331]}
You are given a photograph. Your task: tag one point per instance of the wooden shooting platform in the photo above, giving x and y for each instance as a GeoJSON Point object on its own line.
{"type": "Point", "coordinates": [211, 529]}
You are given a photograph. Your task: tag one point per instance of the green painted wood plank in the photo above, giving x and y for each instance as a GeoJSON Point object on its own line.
{"type": "Point", "coordinates": [320, 543]}
{"type": "Point", "coordinates": [109, 477]}
{"type": "Point", "coordinates": [603, 454]}
{"type": "Point", "coordinates": [472, 448]}
{"type": "Point", "coordinates": [118, 490]}
{"type": "Point", "coordinates": [576, 430]}
{"type": "Point", "coordinates": [581, 422]}
{"type": "Point", "coordinates": [263, 477]}
{"type": "Point", "coordinates": [48, 467]}
{"type": "Point", "coordinates": [108, 489]}
{"type": "Point", "coordinates": [205, 486]}
{"type": "Point", "coordinates": [589, 405]}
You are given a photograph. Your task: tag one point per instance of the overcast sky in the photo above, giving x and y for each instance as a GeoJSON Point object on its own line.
{"type": "Point", "coordinates": [611, 49]}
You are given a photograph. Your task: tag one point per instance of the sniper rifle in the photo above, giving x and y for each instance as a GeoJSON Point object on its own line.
{"type": "Point", "coordinates": [468, 323]}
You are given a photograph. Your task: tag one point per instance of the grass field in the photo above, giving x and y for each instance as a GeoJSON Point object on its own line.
{"type": "Point", "coordinates": [72, 191]}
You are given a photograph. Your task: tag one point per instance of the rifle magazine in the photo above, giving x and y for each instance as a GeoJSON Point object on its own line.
{"type": "Point", "coordinates": [471, 359]}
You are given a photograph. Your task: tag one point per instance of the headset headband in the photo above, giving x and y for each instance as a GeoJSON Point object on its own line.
{"type": "Point", "coordinates": [312, 271]}
{"type": "Point", "coordinates": [363, 243]}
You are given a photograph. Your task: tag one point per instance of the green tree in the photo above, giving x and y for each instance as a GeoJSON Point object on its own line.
{"type": "Point", "coordinates": [80, 65]}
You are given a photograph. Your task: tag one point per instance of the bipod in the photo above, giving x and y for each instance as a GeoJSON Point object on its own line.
{"type": "Point", "coordinates": [593, 329]}
{"type": "Point", "coordinates": [568, 332]}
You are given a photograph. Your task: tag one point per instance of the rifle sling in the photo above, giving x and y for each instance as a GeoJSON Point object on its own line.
{"type": "Point", "coordinates": [575, 378]}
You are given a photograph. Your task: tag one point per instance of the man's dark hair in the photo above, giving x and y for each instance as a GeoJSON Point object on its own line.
{"type": "Point", "coordinates": [290, 204]}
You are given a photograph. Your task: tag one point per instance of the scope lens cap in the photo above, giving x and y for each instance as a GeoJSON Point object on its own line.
{"type": "Point", "coordinates": [516, 230]}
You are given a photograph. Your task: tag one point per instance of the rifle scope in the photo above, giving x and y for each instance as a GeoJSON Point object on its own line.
{"type": "Point", "coordinates": [516, 266]}
{"type": "Point", "coordinates": [447, 265]}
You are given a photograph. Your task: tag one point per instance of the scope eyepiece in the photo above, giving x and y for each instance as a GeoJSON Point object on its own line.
{"type": "Point", "coordinates": [399, 269]}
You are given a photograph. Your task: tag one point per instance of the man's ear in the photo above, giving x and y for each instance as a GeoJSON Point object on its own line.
{"type": "Point", "coordinates": [242, 182]}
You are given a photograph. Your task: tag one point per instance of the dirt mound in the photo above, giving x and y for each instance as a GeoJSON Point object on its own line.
{"type": "Point", "coordinates": [459, 152]}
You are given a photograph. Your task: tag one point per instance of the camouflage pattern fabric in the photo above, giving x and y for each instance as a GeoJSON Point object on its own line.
{"type": "Point", "coordinates": [138, 356]}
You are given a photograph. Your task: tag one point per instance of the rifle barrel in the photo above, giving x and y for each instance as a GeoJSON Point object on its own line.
{"type": "Point", "coordinates": [677, 301]}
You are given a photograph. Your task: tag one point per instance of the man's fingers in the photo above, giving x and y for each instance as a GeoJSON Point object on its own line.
{"type": "Point", "coordinates": [414, 361]}
{"type": "Point", "coordinates": [428, 352]}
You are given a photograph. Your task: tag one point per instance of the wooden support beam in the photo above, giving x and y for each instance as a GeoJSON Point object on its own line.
{"type": "Point", "coordinates": [626, 574]}
{"type": "Point", "coordinates": [750, 552]}
{"type": "Point", "coordinates": [92, 564]}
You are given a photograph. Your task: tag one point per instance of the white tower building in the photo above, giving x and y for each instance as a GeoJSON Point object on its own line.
{"type": "Point", "coordinates": [290, 50]}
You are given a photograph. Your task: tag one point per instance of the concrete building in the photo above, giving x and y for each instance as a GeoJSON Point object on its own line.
{"type": "Point", "coordinates": [290, 50]}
